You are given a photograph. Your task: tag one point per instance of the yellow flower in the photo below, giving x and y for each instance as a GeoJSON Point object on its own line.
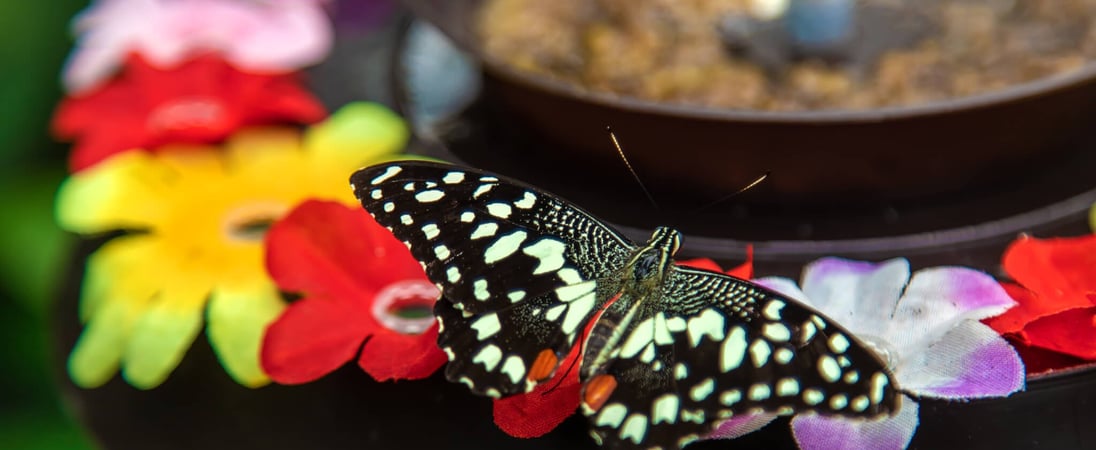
{"type": "Point", "coordinates": [198, 216]}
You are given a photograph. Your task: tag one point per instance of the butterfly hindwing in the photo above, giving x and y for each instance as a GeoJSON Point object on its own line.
{"type": "Point", "coordinates": [718, 347]}
{"type": "Point", "coordinates": [518, 267]}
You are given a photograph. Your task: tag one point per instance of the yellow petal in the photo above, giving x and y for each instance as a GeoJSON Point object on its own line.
{"type": "Point", "coordinates": [163, 334]}
{"type": "Point", "coordinates": [1092, 217]}
{"type": "Point", "coordinates": [95, 358]}
{"type": "Point", "coordinates": [125, 191]}
{"type": "Point", "coordinates": [115, 272]}
{"type": "Point", "coordinates": [237, 321]}
{"type": "Point", "coordinates": [357, 134]}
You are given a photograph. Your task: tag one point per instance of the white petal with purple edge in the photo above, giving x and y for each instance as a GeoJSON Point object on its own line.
{"type": "Point", "coordinates": [784, 286]}
{"type": "Point", "coordinates": [860, 296]}
{"type": "Point", "coordinates": [937, 299]}
{"type": "Point", "coordinates": [814, 432]}
{"type": "Point", "coordinates": [969, 361]}
{"type": "Point", "coordinates": [739, 426]}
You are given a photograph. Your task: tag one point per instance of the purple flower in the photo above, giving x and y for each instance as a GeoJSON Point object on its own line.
{"type": "Point", "coordinates": [926, 328]}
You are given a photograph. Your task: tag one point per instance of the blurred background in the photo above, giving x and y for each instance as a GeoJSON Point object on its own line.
{"type": "Point", "coordinates": [34, 40]}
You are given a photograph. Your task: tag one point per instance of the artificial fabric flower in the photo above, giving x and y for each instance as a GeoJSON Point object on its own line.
{"type": "Point", "coordinates": [256, 36]}
{"type": "Point", "coordinates": [926, 329]}
{"type": "Point", "coordinates": [360, 285]}
{"type": "Point", "coordinates": [197, 256]}
{"type": "Point", "coordinates": [541, 410]}
{"type": "Point", "coordinates": [201, 101]}
{"type": "Point", "coordinates": [1056, 296]}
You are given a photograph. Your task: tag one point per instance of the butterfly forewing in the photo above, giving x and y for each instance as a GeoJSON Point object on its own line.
{"type": "Point", "coordinates": [519, 267]}
{"type": "Point", "coordinates": [716, 347]}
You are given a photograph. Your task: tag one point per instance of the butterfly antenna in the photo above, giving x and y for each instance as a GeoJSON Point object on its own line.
{"type": "Point", "coordinates": [620, 151]}
{"type": "Point", "coordinates": [735, 193]}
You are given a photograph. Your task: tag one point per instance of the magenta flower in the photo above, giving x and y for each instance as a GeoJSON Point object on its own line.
{"type": "Point", "coordinates": [926, 328]}
{"type": "Point", "coordinates": [274, 36]}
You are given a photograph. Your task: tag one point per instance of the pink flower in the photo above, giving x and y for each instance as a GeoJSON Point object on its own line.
{"type": "Point", "coordinates": [274, 36]}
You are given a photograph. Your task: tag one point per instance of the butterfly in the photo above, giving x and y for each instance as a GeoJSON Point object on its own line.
{"type": "Point", "coordinates": [670, 351]}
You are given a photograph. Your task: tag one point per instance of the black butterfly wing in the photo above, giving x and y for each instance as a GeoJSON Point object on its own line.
{"type": "Point", "coordinates": [521, 270]}
{"type": "Point", "coordinates": [716, 347]}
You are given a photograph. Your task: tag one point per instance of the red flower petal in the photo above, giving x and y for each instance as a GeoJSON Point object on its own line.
{"type": "Point", "coordinates": [1038, 360]}
{"type": "Point", "coordinates": [326, 248]}
{"type": "Point", "coordinates": [388, 355]}
{"type": "Point", "coordinates": [743, 271]}
{"type": "Point", "coordinates": [343, 261]}
{"type": "Point", "coordinates": [201, 101]}
{"type": "Point", "coordinates": [1028, 307]}
{"type": "Point", "coordinates": [313, 337]}
{"type": "Point", "coordinates": [535, 413]}
{"type": "Point", "coordinates": [1062, 272]}
{"type": "Point", "coordinates": [1071, 332]}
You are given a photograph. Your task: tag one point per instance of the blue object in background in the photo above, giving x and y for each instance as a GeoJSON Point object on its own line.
{"type": "Point", "coordinates": [820, 24]}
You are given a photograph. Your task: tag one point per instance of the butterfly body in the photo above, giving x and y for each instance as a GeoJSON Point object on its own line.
{"type": "Point", "coordinates": [668, 352]}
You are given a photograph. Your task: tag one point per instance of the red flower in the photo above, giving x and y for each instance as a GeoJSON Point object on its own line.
{"type": "Point", "coordinates": [535, 413]}
{"type": "Point", "coordinates": [1056, 299]}
{"type": "Point", "coordinates": [358, 284]}
{"type": "Point", "coordinates": [202, 100]}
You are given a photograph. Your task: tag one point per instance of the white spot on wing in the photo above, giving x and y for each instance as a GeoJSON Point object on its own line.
{"type": "Point", "coordinates": [479, 290]}
{"type": "Point", "coordinates": [772, 309]}
{"type": "Point", "coordinates": [708, 323]}
{"type": "Point", "coordinates": [702, 389]}
{"type": "Point", "coordinates": [467, 216]}
{"type": "Point", "coordinates": [576, 312]}
{"type": "Point", "coordinates": [453, 177]}
{"type": "Point", "coordinates": [733, 351]}
{"type": "Point", "coordinates": [641, 335]}
{"type": "Point", "coordinates": [514, 368]}
{"type": "Point", "coordinates": [482, 189]}
{"type": "Point", "coordinates": [569, 276]}
{"type": "Point", "coordinates": [500, 210]}
{"type": "Point", "coordinates": [828, 368]}
{"type": "Point", "coordinates": [485, 230]}
{"type": "Point", "coordinates": [504, 246]}
{"type": "Point", "coordinates": [390, 172]}
{"type": "Point", "coordinates": [664, 409]}
{"type": "Point", "coordinates": [612, 415]}
{"type": "Point", "coordinates": [527, 201]}
{"type": "Point", "coordinates": [574, 291]}
{"type": "Point", "coordinates": [441, 251]}
{"type": "Point", "coordinates": [634, 428]}
{"type": "Point", "coordinates": [429, 196]}
{"type": "Point", "coordinates": [759, 352]}
{"type": "Point", "coordinates": [430, 230]}
{"type": "Point", "coordinates": [549, 255]}
{"type": "Point", "coordinates": [489, 356]}
{"type": "Point", "coordinates": [554, 312]}
{"type": "Point", "coordinates": [486, 326]}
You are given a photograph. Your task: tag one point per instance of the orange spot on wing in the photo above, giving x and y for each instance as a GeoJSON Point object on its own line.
{"type": "Point", "coordinates": [598, 391]}
{"type": "Point", "coordinates": [544, 365]}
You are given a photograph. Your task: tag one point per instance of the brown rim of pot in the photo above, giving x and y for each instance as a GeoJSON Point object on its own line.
{"type": "Point", "coordinates": [1018, 92]}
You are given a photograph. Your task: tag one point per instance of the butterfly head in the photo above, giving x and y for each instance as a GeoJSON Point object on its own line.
{"type": "Point", "coordinates": [650, 263]}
